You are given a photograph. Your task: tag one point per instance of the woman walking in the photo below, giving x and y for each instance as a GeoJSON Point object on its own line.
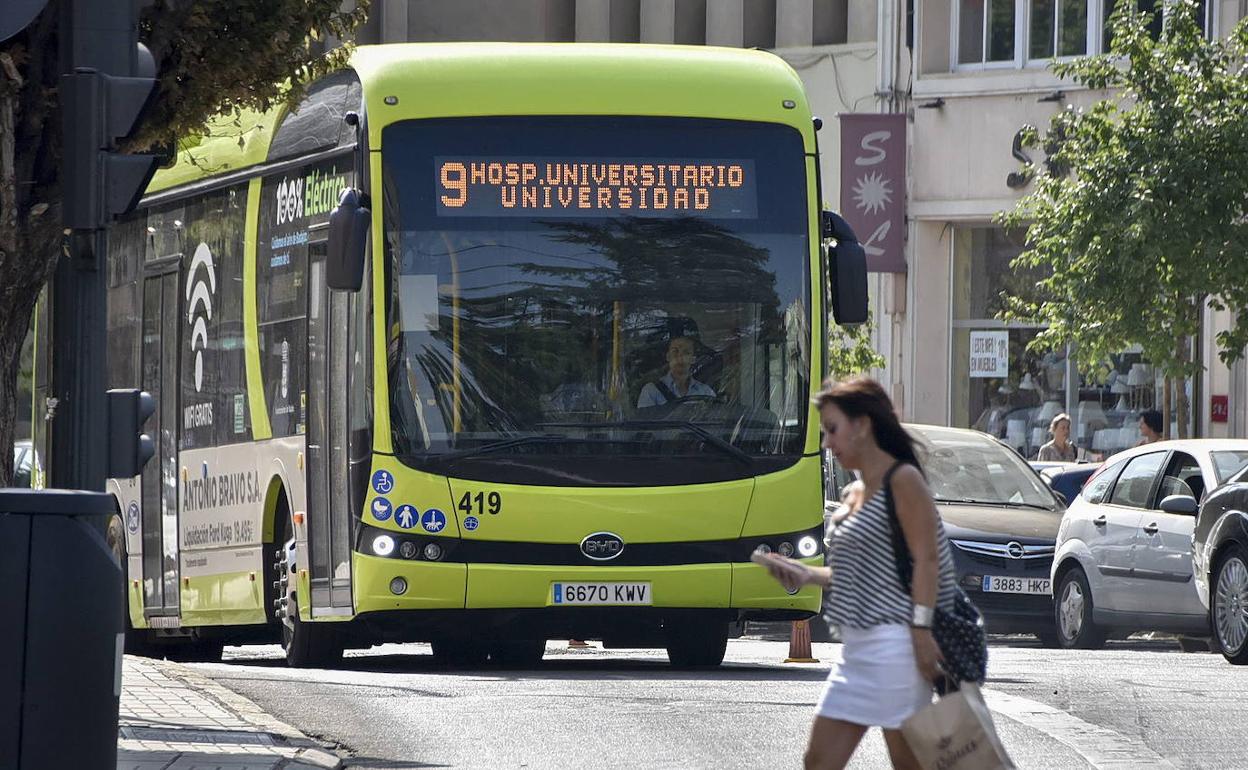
{"type": "Point", "coordinates": [890, 659]}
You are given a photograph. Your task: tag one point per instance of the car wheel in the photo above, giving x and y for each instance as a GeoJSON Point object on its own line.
{"type": "Point", "coordinates": [1230, 605]}
{"type": "Point", "coordinates": [1073, 611]}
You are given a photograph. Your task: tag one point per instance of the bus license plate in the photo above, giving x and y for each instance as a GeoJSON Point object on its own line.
{"type": "Point", "coordinates": [601, 593]}
{"type": "Point", "coordinates": [1016, 585]}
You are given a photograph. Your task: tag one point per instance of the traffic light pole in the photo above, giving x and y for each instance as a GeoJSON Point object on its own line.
{"type": "Point", "coordinates": [78, 457]}
{"type": "Point", "coordinates": [106, 83]}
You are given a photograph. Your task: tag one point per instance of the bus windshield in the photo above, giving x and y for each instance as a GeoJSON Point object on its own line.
{"type": "Point", "coordinates": [571, 299]}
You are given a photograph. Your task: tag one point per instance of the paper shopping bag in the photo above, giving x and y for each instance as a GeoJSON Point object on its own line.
{"type": "Point", "coordinates": [956, 733]}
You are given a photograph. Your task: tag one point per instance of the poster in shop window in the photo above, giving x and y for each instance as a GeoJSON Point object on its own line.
{"type": "Point", "coordinates": [990, 354]}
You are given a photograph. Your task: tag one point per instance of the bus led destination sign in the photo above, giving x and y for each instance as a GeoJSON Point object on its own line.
{"type": "Point", "coordinates": [594, 187]}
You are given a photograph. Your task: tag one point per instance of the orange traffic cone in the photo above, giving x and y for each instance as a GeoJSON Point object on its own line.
{"type": "Point", "coordinates": [799, 643]}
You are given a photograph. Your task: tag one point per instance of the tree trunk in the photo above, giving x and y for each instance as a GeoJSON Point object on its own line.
{"type": "Point", "coordinates": [1165, 407]}
{"type": "Point", "coordinates": [30, 220]}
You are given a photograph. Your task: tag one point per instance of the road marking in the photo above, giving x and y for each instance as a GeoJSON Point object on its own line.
{"type": "Point", "coordinates": [1101, 747]}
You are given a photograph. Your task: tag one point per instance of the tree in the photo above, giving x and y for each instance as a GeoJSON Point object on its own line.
{"type": "Point", "coordinates": [850, 352]}
{"type": "Point", "coordinates": [1141, 215]}
{"type": "Point", "coordinates": [212, 56]}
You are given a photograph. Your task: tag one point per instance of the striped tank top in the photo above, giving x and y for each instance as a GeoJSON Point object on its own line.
{"type": "Point", "coordinates": [865, 588]}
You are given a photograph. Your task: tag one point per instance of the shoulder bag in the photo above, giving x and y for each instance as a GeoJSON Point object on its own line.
{"type": "Point", "coordinates": [959, 631]}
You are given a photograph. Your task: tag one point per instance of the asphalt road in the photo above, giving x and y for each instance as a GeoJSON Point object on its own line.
{"type": "Point", "coordinates": [1137, 704]}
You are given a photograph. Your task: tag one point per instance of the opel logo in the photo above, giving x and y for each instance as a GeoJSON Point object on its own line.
{"type": "Point", "coordinates": [602, 546]}
{"type": "Point", "coordinates": [1014, 549]}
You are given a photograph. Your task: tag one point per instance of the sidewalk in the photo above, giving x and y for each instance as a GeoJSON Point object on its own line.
{"type": "Point", "coordinates": [172, 718]}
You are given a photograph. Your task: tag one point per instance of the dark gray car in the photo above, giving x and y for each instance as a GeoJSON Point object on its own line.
{"type": "Point", "coordinates": [1001, 519]}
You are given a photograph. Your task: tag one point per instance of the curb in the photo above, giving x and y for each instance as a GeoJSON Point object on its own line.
{"type": "Point", "coordinates": [310, 753]}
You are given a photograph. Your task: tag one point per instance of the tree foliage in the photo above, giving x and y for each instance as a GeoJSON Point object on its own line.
{"type": "Point", "coordinates": [850, 352]}
{"type": "Point", "coordinates": [1150, 220]}
{"type": "Point", "coordinates": [212, 56]}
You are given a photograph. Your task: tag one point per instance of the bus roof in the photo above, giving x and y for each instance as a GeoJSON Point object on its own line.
{"type": "Point", "coordinates": [426, 80]}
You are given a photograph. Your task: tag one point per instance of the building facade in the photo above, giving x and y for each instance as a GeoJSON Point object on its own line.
{"type": "Point", "coordinates": [980, 74]}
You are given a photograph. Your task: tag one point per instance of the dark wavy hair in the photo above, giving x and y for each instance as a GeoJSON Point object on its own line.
{"type": "Point", "coordinates": [864, 396]}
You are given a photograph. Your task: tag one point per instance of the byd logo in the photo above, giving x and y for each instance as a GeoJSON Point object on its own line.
{"type": "Point", "coordinates": [602, 546]}
{"type": "Point", "coordinates": [289, 200]}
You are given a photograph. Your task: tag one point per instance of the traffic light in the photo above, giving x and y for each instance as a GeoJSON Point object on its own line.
{"type": "Point", "coordinates": [129, 448]}
{"type": "Point", "coordinates": [98, 110]}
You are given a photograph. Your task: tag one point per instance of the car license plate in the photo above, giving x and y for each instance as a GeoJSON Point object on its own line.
{"type": "Point", "coordinates": [1016, 585]}
{"type": "Point", "coordinates": [601, 593]}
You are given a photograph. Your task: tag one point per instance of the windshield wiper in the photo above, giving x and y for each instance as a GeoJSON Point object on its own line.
{"type": "Point", "coordinates": [736, 453]}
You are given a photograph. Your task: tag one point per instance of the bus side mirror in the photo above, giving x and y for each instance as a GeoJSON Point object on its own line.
{"type": "Point", "coordinates": [349, 224]}
{"type": "Point", "coordinates": [847, 270]}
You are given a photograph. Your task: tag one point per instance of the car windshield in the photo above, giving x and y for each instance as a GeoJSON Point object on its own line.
{"type": "Point", "coordinates": [1228, 463]}
{"type": "Point", "coordinates": [596, 294]}
{"type": "Point", "coordinates": [972, 469]}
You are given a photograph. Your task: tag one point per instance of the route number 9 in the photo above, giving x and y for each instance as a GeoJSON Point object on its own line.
{"type": "Point", "coordinates": [455, 179]}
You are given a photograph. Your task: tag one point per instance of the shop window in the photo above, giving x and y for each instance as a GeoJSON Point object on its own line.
{"type": "Point", "coordinates": [1002, 388]}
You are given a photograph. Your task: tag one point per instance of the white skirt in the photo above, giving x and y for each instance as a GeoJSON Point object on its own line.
{"type": "Point", "coordinates": [877, 683]}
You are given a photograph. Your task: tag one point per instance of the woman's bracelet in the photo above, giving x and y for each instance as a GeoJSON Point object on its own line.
{"type": "Point", "coordinates": [922, 616]}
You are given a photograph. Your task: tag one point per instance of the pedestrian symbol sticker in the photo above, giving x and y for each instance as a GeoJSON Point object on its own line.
{"type": "Point", "coordinates": [383, 482]}
{"type": "Point", "coordinates": [381, 508]}
{"type": "Point", "coordinates": [132, 517]}
{"type": "Point", "coordinates": [471, 523]}
{"type": "Point", "coordinates": [406, 516]}
{"type": "Point", "coordinates": [433, 520]}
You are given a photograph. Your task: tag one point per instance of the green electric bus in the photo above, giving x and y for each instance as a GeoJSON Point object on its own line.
{"type": "Point", "coordinates": [413, 344]}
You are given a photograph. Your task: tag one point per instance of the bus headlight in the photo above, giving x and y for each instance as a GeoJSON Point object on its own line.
{"type": "Point", "coordinates": [785, 548]}
{"type": "Point", "coordinates": [407, 549]}
{"type": "Point", "coordinates": [807, 546]}
{"type": "Point", "coordinates": [398, 586]}
{"type": "Point", "coordinates": [433, 551]}
{"type": "Point", "coordinates": [383, 545]}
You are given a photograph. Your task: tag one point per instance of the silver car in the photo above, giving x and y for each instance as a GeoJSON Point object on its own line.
{"type": "Point", "coordinates": [1124, 548]}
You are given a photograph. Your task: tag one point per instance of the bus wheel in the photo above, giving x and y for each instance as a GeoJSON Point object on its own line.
{"type": "Point", "coordinates": [307, 645]}
{"type": "Point", "coordinates": [519, 653]}
{"type": "Point", "coordinates": [137, 642]}
{"type": "Point", "coordinates": [459, 652]}
{"type": "Point", "coordinates": [697, 645]}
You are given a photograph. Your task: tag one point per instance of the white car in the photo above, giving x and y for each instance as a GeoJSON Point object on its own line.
{"type": "Point", "coordinates": [1124, 547]}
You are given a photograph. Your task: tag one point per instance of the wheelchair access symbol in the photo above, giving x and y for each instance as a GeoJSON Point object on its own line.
{"type": "Point", "coordinates": [383, 482]}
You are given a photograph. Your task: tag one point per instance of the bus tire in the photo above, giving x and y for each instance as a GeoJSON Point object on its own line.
{"type": "Point", "coordinates": [518, 653]}
{"type": "Point", "coordinates": [459, 652]}
{"type": "Point", "coordinates": [697, 645]}
{"type": "Point", "coordinates": [136, 639]}
{"type": "Point", "coordinates": [307, 645]}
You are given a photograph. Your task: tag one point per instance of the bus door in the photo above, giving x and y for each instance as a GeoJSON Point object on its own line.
{"type": "Point", "coordinates": [329, 510]}
{"type": "Point", "coordinates": [161, 311]}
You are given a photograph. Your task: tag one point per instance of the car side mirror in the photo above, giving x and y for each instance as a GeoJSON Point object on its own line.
{"type": "Point", "coordinates": [1183, 504]}
{"type": "Point", "coordinates": [847, 270]}
{"type": "Point", "coordinates": [1060, 496]}
{"type": "Point", "coordinates": [349, 224]}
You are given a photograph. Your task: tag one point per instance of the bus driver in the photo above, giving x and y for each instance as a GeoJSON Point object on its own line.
{"type": "Point", "coordinates": [678, 382]}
